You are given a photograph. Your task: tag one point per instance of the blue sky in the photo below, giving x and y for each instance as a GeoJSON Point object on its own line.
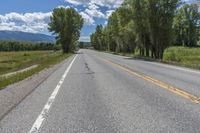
{"type": "Point", "coordinates": [33, 16]}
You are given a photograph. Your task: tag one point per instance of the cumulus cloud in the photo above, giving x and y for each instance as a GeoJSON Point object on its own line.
{"type": "Point", "coordinates": [87, 19]}
{"type": "Point", "coordinates": [93, 8]}
{"type": "Point", "coordinates": [106, 3]}
{"type": "Point", "coordinates": [74, 2]}
{"type": "Point", "coordinates": [93, 11]}
{"type": "Point", "coordinates": [37, 22]}
{"type": "Point", "coordinates": [28, 22]}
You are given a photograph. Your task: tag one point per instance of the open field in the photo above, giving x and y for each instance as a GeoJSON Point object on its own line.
{"type": "Point", "coordinates": [15, 61]}
{"type": "Point", "coordinates": [188, 57]}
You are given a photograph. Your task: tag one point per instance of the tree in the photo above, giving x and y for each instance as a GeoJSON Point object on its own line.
{"type": "Point", "coordinates": [113, 32]}
{"type": "Point", "coordinates": [66, 24]}
{"type": "Point", "coordinates": [160, 16]}
{"type": "Point", "coordinates": [186, 25]}
{"type": "Point", "coordinates": [141, 25]}
{"type": "Point", "coordinates": [146, 25]}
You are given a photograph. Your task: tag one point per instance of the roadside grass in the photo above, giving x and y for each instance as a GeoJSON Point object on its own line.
{"type": "Point", "coordinates": [179, 56]}
{"type": "Point", "coordinates": [187, 57]}
{"type": "Point", "coordinates": [13, 61]}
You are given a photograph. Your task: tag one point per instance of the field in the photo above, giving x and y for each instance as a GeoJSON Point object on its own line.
{"type": "Point", "coordinates": [15, 61]}
{"type": "Point", "coordinates": [188, 57]}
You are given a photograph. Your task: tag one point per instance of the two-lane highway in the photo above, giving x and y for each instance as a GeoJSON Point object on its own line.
{"type": "Point", "coordinates": [96, 92]}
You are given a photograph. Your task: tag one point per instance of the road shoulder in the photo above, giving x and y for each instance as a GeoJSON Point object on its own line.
{"type": "Point", "coordinates": [13, 94]}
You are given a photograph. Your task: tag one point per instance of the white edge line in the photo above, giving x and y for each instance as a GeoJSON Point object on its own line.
{"type": "Point", "coordinates": [40, 119]}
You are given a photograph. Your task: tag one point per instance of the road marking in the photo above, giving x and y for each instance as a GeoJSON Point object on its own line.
{"type": "Point", "coordinates": [40, 119]}
{"type": "Point", "coordinates": [177, 91]}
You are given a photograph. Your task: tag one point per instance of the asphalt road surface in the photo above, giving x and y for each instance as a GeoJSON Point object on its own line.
{"type": "Point", "coordinates": [97, 92]}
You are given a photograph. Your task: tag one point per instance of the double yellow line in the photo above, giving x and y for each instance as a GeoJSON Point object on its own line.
{"type": "Point", "coordinates": [177, 91]}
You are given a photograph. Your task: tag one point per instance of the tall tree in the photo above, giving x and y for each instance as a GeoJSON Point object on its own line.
{"type": "Point", "coordinates": [141, 25]}
{"type": "Point", "coordinates": [161, 14]}
{"type": "Point", "coordinates": [187, 25]}
{"type": "Point", "coordinates": [66, 24]}
{"type": "Point", "coordinates": [113, 29]}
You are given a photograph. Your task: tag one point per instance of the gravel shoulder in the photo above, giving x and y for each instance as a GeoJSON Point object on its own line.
{"type": "Point", "coordinates": [13, 94]}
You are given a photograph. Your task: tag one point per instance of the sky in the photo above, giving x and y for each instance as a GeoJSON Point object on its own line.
{"type": "Point", "coordinates": [33, 16]}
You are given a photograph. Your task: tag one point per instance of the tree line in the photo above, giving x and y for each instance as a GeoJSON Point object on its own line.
{"type": "Point", "coordinates": [149, 26]}
{"type": "Point", "coordinates": [26, 46]}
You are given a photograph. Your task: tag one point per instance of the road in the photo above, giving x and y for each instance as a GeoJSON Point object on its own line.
{"type": "Point", "coordinates": [96, 92]}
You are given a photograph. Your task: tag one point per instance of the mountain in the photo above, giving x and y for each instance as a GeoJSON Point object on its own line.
{"type": "Point", "coordinates": [25, 36]}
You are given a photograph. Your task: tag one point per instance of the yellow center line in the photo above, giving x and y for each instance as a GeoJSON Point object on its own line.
{"type": "Point", "coordinates": [177, 91]}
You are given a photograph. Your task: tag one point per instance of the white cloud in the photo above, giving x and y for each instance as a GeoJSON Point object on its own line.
{"type": "Point", "coordinates": [105, 3]}
{"type": "Point", "coordinates": [88, 19]}
{"type": "Point", "coordinates": [37, 22]}
{"type": "Point", "coordinates": [28, 22]}
{"type": "Point", "coordinates": [95, 13]}
{"type": "Point", "coordinates": [93, 8]}
{"type": "Point", "coordinates": [91, 12]}
{"type": "Point", "coordinates": [74, 2]}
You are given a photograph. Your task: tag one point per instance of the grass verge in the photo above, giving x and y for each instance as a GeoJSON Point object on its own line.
{"type": "Point", "coordinates": [50, 58]}
{"type": "Point", "coordinates": [178, 56]}
{"type": "Point", "coordinates": [183, 56]}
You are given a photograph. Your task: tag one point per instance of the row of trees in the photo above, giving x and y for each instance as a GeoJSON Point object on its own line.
{"type": "Point", "coordinates": [26, 46]}
{"type": "Point", "coordinates": [149, 26]}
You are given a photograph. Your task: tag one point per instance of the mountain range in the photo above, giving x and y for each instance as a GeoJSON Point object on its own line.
{"type": "Point", "coordinates": [25, 36]}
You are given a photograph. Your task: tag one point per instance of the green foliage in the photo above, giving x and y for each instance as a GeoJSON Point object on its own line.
{"type": "Point", "coordinates": [187, 25]}
{"type": "Point", "coordinates": [26, 46]}
{"type": "Point", "coordinates": [138, 24]}
{"type": "Point", "coordinates": [98, 38]}
{"type": "Point", "coordinates": [161, 14]}
{"type": "Point", "coordinates": [189, 57]}
{"type": "Point", "coordinates": [66, 24]}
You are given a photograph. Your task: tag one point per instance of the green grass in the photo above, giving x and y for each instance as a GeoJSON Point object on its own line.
{"type": "Point", "coordinates": [188, 57]}
{"type": "Point", "coordinates": [180, 56]}
{"type": "Point", "coordinates": [14, 61]}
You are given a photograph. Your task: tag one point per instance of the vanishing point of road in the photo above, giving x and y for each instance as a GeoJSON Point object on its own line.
{"type": "Point", "coordinates": [94, 92]}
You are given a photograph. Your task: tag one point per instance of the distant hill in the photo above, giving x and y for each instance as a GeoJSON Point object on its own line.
{"type": "Point", "coordinates": [24, 36]}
